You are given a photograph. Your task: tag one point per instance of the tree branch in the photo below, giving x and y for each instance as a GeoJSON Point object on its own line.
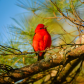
{"type": "Point", "coordinates": [40, 66]}
{"type": "Point", "coordinates": [81, 2]}
{"type": "Point", "coordinates": [76, 22]}
{"type": "Point", "coordinates": [74, 11]}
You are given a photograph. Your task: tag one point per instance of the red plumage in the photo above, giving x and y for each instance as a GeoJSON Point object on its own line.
{"type": "Point", "coordinates": [41, 40]}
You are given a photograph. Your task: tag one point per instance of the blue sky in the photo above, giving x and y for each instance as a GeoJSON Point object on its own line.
{"type": "Point", "coordinates": [8, 9]}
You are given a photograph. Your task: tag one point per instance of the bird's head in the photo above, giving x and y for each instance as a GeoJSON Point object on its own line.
{"type": "Point", "coordinates": [40, 27]}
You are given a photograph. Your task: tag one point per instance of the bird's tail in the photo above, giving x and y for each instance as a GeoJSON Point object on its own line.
{"type": "Point", "coordinates": [41, 57]}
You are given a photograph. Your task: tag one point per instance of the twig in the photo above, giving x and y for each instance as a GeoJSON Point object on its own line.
{"type": "Point", "coordinates": [76, 22]}
{"type": "Point", "coordinates": [81, 2]}
{"type": "Point", "coordinates": [6, 47]}
{"type": "Point", "coordinates": [44, 17]}
{"type": "Point", "coordinates": [25, 53]}
{"type": "Point", "coordinates": [74, 11]}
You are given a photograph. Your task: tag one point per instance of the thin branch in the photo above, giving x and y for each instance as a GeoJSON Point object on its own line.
{"type": "Point", "coordinates": [58, 18]}
{"type": "Point", "coordinates": [69, 23]}
{"type": "Point", "coordinates": [25, 53]}
{"type": "Point", "coordinates": [76, 22]}
{"type": "Point", "coordinates": [81, 2]}
{"type": "Point", "coordinates": [6, 47]}
{"type": "Point", "coordinates": [74, 11]}
{"type": "Point", "coordinates": [44, 17]}
{"type": "Point", "coordinates": [63, 40]}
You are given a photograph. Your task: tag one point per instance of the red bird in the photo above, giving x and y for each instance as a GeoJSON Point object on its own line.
{"type": "Point", "coordinates": [41, 40]}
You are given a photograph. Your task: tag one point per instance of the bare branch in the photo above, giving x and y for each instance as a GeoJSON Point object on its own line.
{"type": "Point", "coordinates": [44, 17]}
{"type": "Point", "coordinates": [81, 2]}
{"type": "Point", "coordinates": [74, 11]}
{"type": "Point", "coordinates": [25, 52]}
{"type": "Point", "coordinates": [76, 22]}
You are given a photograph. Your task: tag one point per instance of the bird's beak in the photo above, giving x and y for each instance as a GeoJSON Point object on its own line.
{"type": "Point", "coordinates": [45, 27]}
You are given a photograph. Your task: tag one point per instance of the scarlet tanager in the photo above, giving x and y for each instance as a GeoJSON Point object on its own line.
{"type": "Point", "coordinates": [41, 40]}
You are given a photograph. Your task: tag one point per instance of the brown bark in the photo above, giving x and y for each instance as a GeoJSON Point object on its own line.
{"type": "Point", "coordinates": [42, 65]}
{"type": "Point", "coordinates": [27, 71]}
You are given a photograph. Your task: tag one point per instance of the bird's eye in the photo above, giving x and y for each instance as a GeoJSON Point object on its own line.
{"type": "Point", "coordinates": [41, 28]}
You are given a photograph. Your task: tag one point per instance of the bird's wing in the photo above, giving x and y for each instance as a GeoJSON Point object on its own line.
{"type": "Point", "coordinates": [38, 42]}
{"type": "Point", "coordinates": [47, 41]}
{"type": "Point", "coordinates": [35, 43]}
